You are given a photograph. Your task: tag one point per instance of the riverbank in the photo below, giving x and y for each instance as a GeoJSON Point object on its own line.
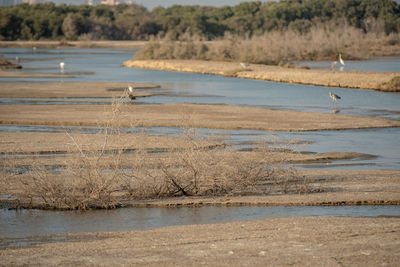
{"type": "Point", "coordinates": [270, 242]}
{"type": "Point", "coordinates": [346, 79]}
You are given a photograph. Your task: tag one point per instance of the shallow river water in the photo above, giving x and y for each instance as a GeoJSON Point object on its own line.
{"type": "Point", "coordinates": [24, 223]}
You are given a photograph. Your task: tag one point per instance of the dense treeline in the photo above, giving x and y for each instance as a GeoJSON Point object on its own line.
{"type": "Point", "coordinates": [134, 22]}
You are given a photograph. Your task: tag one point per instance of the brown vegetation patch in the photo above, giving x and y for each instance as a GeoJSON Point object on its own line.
{"type": "Point", "coordinates": [6, 64]}
{"type": "Point", "coordinates": [350, 79]}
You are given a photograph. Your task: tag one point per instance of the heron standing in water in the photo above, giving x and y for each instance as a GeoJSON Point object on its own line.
{"type": "Point", "coordinates": [334, 97]}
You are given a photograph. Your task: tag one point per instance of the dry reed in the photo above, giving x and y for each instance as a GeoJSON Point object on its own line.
{"type": "Point", "coordinates": [319, 42]}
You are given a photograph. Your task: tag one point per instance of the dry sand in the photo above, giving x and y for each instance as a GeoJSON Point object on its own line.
{"type": "Point", "coordinates": [271, 242]}
{"type": "Point", "coordinates": [36, 142]}
{"type": "Point", "coordinates": [351, 79]}
{"type": "Point", "coordinates": [72, 89]}
{"type": "Point", "coordinates": [198, 116]}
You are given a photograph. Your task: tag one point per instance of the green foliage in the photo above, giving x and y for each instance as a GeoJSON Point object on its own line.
{"type": "Point", "coordinates": [134, 22]}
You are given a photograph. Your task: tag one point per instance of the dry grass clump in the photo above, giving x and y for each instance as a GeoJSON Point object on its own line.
{"type": "Point", "coordinates": [393, 85]}
{"type": "Point", "coordinates": [102, 178]}
{"type": "Point", "coordinates": [274, 47]}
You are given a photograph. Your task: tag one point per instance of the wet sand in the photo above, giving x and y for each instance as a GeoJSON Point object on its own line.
{"type": "Point", "coordinates": [14, 74]}
{"type": "Point", "coordinates": [350, 79]}
{"type": "Point", "coordinates": [270, 242]}
{"type": "Point", "coordinates": [193, 115]}
{"type": "Point", "coordinates": [72, 89]}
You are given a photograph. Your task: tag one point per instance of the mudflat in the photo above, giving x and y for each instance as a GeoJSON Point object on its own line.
{"type": "Point", "coordinates": [351, 79]}
{"type": "Point", "coordinates": [270, 242]}
{"type": "Point", "coordinates": [72, 89]}
{"type": "Point", "coordinates": [194, 115]}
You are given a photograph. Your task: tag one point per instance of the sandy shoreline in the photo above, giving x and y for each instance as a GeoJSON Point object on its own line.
{"type": "Point", "coordinates": [349, 79]}
{"type": "Point", "coordinates": [270, 242]}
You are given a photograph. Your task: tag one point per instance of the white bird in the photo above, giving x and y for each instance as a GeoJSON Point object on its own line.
{"type": "Point", "coordinates": [244, 65]}
{"type": "Point", "coordinates": [17, 59]}
{"type": "Point", "coordinates": [334, 97]}
{"type": "Point", "coordinates": [131, 96]}
{"type": "Point", "coordinates": [62, 66]}
{"type": "Point", "coordinates": [341, 60]}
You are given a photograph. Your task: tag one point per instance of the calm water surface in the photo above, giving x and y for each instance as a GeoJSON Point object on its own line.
{"type": "Point", "coordinates": [24, 223]}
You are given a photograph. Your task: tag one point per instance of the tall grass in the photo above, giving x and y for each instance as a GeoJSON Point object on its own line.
{"type": "Point", "coordinates": [322, 41]}
{"type": "Point", "coordinates": [102, 178]}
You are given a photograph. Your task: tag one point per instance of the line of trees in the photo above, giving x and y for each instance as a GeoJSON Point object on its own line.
{"type": "Point", "coordinates": [135, 22]}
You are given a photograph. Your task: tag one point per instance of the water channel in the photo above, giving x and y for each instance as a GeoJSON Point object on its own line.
{"type": "Point", "coordinates": [105, 65]}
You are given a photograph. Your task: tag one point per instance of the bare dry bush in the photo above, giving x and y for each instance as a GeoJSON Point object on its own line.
{"type": "Point", "coordinates": [196, 166]}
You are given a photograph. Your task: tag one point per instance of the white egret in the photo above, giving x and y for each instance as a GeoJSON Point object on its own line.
{"type": "Point", "coordinates": [131, 96]}
{"type": "Point", "coordinates": [341, 60]}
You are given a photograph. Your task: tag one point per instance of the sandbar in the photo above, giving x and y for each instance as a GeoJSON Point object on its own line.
{"type": "Point", "coordinates": [72, 89]}
{"type": "Point", "coordinates": [193, 115]}
{"type": "Point", "coordinates": [348, 79]}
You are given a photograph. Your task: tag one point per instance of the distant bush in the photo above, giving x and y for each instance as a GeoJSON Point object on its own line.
{"type": "Point", "coordinates": [322, 41]}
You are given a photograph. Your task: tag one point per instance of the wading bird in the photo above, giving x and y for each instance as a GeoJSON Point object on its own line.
{"type": "Point", "coordinates": [130, 94]}
{"type": "Point", "coordinates": [341, 60]}
{"type": "Point", "coordinates": [62, 66]}
{"type": "Point", "coordinates": [334, 97]}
